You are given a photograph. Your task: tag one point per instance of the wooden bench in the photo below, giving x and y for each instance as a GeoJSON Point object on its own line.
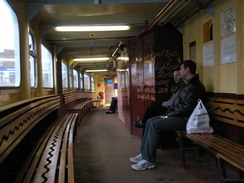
{"type": "Point", "coordinates": [229, 114]}
{"type": "Point", "coordinates": [20, 119]}
{"type": "Point", "coordinates": [52, 159]}
{"type": "Point", "coordinates": [73, 102]}
{"type": "Point", "coordinates": [71, 97]}
{"type": "Point", "coordinates": [16, 124]}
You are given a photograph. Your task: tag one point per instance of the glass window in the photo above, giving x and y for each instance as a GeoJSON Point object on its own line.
{"type": "Point", "coordinates": [64, 76]}
{"type": "Point", "coordinates": [47, 68]}
{"type": "Point", "coordinates": [92, 84]}
{"type": "Point", "coordinates": [75, 76]}
{"type": "Point", "coordinates": [81, 81]}
{"type": "Point", "coordinates": [9, 47]}
{"type": "Point", "coordinates": [32, 62]}
{"type": "Point", "coordinates": [87, 82]}
{"type": "Point", "coordinates": [70, 78]}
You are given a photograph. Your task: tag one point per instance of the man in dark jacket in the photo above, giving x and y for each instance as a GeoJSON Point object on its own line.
{"type": "Point", "coordinates": [155, 108]}
{"type": "Point", "coordinates": [183, 103]}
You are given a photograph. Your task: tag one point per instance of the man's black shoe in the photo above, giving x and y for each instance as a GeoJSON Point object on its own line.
{"type": "Point", "coordinates": [109, 112]}
{"type": "Point", "coordinates": [139, 124]}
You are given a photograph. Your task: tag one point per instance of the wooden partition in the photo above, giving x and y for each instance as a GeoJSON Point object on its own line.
{"type": "Point", "coordinates": [153, 57]}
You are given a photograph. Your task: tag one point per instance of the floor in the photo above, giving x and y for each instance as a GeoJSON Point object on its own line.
{"type": "Point", "coordinates": [103, 147]}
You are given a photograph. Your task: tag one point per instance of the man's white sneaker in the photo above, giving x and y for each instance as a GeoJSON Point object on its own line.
{"type": "Point", "coordinates": [143, 165]}
{"type": "Point", "coordinates": [136, 159]}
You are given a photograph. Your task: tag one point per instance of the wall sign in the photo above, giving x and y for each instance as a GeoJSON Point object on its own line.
{"type": "Point", "coordinates": [228, 50]}
{"type": "Point", "coordinates": [228, 22]}
{"type": "Point", "coordinates": [208, 55]}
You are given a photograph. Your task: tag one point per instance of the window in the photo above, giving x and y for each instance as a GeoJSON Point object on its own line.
{"type": "Point", "coordinates": [64, 76]}
{"type": "Point", "coordinates": [47, 68]}
{"type": "Point", "coordinates": [9, 47]}
{"type": "Point", "coordinates": [75, 76]}
{"type": "Point", "coordinates": [87, 82]}
{"type": "Point", "coordinates": [32, 62]}
{"type": "Point", "coordinates": [92, 84]}
{"type": "Point", "coordinates": [81, 81]}
{"type": "Point", "coordinates": [71, 78]}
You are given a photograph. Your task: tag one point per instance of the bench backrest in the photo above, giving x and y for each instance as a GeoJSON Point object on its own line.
{"type": "Point", "coordinates": [73, 96]}
{"type": "Point", "coordinates": [228, 117]}
{"type": "Point", "coordinates": [17, 121]}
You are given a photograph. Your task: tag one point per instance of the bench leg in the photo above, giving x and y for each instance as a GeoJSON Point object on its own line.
{"type": "Point", "coordinates": [221, 168]}
{"type": "Point", "coordinates": [181, 149]}
{"type": "Point", "coordinates": [222, 172]}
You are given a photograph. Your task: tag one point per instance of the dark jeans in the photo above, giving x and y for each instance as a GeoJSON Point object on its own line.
{"type": "Point", "coordinates": [154, 127]}
{"type": "Point", "coordinates": [113, 104]}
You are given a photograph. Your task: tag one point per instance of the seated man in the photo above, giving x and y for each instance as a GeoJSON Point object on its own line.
{"type": "Point", "coordinates": [113, 106]}
{"type": "Point", "coordinates": [155, 109]}
{"type": "Point", "coordinates": [183, 103]}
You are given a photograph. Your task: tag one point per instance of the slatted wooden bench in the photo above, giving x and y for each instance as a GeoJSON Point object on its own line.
{"type": "Point", "coordinates": [52, 160]}
{"type": "Point", "coordinates": [73, 102]}
{"type": "Point", "coordinates": [18, 120]}
{"type": "Point", "coordinates": [71, 97]}
{"type": "Point", "coordinates": [82, 108]}
{"type": "Point", "coordinates": [230, 114]}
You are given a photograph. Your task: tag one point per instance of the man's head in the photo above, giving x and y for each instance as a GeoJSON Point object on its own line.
{"type": "Point", "coordinates": [176, 75]}
{"type": "Point", "coordinates": [187, 69]}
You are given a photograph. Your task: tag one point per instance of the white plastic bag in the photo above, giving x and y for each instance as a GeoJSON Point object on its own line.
{"type": "Point", "coordinates": [199, 120]}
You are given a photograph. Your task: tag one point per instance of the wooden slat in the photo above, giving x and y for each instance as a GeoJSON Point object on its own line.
{"type": "Point", "coordinates": [70, 154]}
{"type": "Point", "coordinates": [226, 100]}
{"type": "Point", "coordinates": [63, 156]}
{"type": "Point", "coordinates": [229, 121]}
{"type": "Point", "coordinates": [232, 161]}
{"type": "Point", "coordinates": [220, 145]}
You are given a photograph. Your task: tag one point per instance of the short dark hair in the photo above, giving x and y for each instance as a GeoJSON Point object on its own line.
{"type": "Point", "coordinates": [191, 65]}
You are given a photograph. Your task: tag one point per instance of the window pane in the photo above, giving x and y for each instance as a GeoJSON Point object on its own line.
{"type": "Point", "coordinates": [81, 81]}
{"type": "Point", "coordinates": [64, 76]}
{"type": "Point", "coordinates": [70, 78]}
{"type": "Point", "coordinates": [92, 84]}
{"type": "Point", "coordinates": [9, 47]}
{"type": "Point", "coordinates": [32, 72]}
{"type": "Point", "coordinates": [47, 68]}
{"type": "Point", "coordinates": [31, 43]}
{"type": "Point", "coordinates": [32, 63]}
{"type": "Point", "coordinates": [75, 74]}
{"type": "Point", "coordinates": [87, 82]}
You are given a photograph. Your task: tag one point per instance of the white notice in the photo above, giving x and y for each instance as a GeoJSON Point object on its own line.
{"type": "Point", "coordinates": [208, 55]}
{"type": "Point", "coordinates": [228, 50]}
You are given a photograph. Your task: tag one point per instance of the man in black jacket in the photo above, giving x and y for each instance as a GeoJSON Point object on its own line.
{"type": "Point", "coordinates": [183, 103]}
{"type": "Point", "coordinates": [155, 108]}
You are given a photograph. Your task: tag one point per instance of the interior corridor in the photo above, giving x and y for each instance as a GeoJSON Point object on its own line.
{"type": "Point", "coordinates": [103, 147]}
